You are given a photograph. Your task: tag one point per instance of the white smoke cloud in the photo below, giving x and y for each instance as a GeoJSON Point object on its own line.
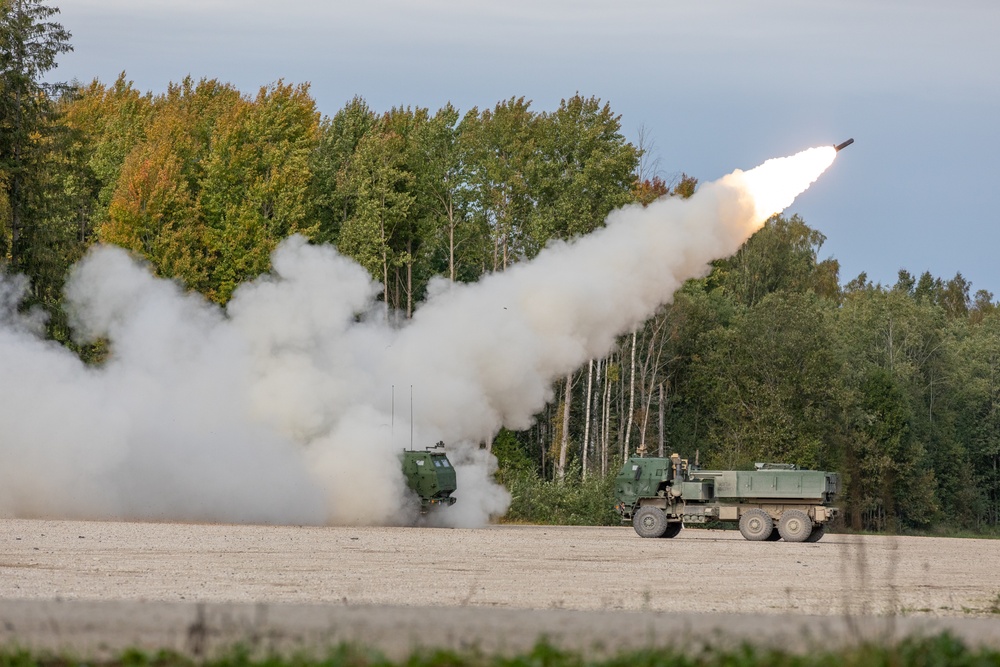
{"type": "Point", "coordinates": [277, 408]}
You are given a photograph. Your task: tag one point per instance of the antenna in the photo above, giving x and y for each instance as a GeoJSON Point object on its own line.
{"type": "Point", "coordinates": [392, 417]}
{"type": "Point", "coordinates": [411, 417]}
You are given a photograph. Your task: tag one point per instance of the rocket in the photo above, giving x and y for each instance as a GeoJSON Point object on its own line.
{"type": "Point", "coordinates": [847, 143]}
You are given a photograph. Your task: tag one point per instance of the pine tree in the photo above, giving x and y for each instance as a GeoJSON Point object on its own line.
{"type": "Point", "coordinates": [29, 45]}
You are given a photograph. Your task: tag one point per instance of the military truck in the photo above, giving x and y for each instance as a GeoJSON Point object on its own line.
{"type": "Point", "coordinates": [775, 501]}
{"type": "Point", "coordinates": [431, 476]}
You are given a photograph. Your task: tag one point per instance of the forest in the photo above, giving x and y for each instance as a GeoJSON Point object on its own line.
{"type": "Point", "coordinates": [774, 356]}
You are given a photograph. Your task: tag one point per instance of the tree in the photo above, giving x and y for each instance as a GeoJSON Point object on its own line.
{"type": "Point", "coordinates": [29, 45]}
{"type": "Point", "coordinates": [982, 306]}
{"type": "Point", "coordinates": [889, 482]}
{"type": "Point", "coordinates": [378, 177]}
{"type": "Point", "coordinates": [338, 139]}
{"type": "Point", "coordinates": [585, 169]}
{"type": "Point", "coordinates": [154, 213]}
{"type": "Point", "coordinates": [954, 297]}
{"type": "Point", "coordinates": [782, 255]}
{"type": "Point", "coordinates": [255, 191]}
{"type": "Point", "coordinates": [499, 149]}
{"type": "Point", "coordinates": [60, 200]}
{"type": "Point", "coordinates": [774, 378]}
{"type": "Point", "coordinates": [649, 190]}
{"type": "Point", "coordinates": [896, 350]}
{"type": "Point", "coordinates": [113, 120]}
{"type": "Point", "coordinates": [442, 192]}
{"type": "Point", "coordinates": [156, 206]}
{"type": "Point", "coordinates": [414, 236]}
{"type": "Point", "coordinates": [974, 383]}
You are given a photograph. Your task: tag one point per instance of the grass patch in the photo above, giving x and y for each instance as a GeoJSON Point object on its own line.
{"type": "Point", "coordinates": [939, 650]}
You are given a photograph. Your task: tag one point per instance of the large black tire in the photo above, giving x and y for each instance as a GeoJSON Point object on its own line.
{"type": "Point", "coordinates": [672, 529]}
{"type": "Point", "coordinates": [817, 534]}
{"type": "Point", "coordinates": [756, 525]}
{"type": "Point", "coordinates": [795, 526]}
{"type": "Point", "coordinates": [650, 522]}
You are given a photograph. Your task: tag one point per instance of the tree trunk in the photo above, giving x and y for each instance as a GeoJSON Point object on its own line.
{"type": "Point", "coordinates": [541, 443]}
{"type": "Point", "coordinates": [564, 441]}
{"type": "Point", "coordinates": [606, 418]}
{"type": "Point", "coordinates": [451, 242]}
{"type": "Point", "coordinates": [586, 420]}
{"type": "Point", "coordinates": [397, 282]}
{"type": "Point", "coordinates": [631, 400]}
{"type": "Point", "coordinates": [641, 449]}
{"type": "Point", "coordinates": [385, 267]}
{"type": "Point", "coordinates": [661, 410]}
{"type": "Point", "coordinates": [409, 279]}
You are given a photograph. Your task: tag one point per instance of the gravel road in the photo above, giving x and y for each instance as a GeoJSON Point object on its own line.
{"type": "Point", "coordinates": [56, 573]}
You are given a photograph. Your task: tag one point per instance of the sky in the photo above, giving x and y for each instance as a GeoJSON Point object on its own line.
{"type": "Point", "coordinates": [709, 86]}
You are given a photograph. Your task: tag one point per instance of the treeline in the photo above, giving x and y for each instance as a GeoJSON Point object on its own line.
{"type": "Point", "coordinates": [768, 358]}
{"type": "Point", "coordinates": [205, 181]}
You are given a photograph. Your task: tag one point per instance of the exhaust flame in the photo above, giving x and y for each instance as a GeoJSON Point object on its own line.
{"type": "Point", "coordinates": [775, 184]}
{"type": "Point", "coordinates": [276, 409]}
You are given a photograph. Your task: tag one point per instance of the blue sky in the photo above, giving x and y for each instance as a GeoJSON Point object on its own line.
{"type": "Point", "coordinates": [714, 86]}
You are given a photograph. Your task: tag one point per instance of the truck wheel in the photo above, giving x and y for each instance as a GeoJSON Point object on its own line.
{"type": "Point", "coordinates": [795, 526]}
{"type": "Point", "coordinates": [756, 525]}
{"type": "Point", "coordinates": [817, 534]}
{"type": "Point", "coordinates": [650, 522]}
{"type": "Point", "coordinates": [673, 529]}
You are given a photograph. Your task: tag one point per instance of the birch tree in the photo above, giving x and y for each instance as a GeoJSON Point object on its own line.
{"type": "Point", "coordinates": [499, 148]}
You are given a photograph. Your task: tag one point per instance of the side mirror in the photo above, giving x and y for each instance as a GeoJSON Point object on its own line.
{"type": "Point", "coordinates": [638, 472]}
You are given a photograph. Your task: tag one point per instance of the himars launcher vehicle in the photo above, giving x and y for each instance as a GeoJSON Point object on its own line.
{"type": "Point", "coordinates": [431, 476]}
{"type": "Point", "coordinates": [775, 501]}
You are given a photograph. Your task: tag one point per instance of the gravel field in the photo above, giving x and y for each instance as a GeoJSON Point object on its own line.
{"type": "Point", "coordinates": [56, 573]}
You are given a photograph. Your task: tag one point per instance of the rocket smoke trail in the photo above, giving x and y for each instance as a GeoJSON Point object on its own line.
{"type": "Point", "coordinates": [276, 409]}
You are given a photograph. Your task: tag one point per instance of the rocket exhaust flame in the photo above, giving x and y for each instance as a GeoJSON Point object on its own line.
{"type": "Point", "coordinates": [273, 410]}
{"type": "Point", "coordinates": [775, 184]}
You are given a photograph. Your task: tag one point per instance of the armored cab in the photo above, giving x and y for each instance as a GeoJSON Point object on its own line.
{"type": "Point", "coordinates": [431, 476]}
{"type": "Point", "coordinates": [774, 501]}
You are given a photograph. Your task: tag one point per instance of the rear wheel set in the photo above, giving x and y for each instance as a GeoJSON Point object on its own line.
{"type": "Point", "coordinates": [756, 525]}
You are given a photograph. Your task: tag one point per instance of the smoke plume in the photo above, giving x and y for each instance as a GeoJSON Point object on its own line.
{"type": "Point", "coordinates": [277, 409]}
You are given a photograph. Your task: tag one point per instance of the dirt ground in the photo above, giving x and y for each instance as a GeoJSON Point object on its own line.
{"type": "Point", "coordinates": [97, 581]}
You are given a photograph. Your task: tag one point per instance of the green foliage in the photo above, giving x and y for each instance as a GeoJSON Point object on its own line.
{"type": "Point", "coordinates": [29, 46]}
{"type": "Point", "coordinates": [201, 181]}
{"type": "Point", "coordinates": [375, 235]}
{"type": "Point", "coordinates": [772, 378]}
{"type": "Point", "coordinates": [942, 649]}
{"type": "Point", "coordinates": [499, 145]}
{"type": "Point", "coordinates": [889, 479]}
{"type": "Point", "coordinates": [570, 502]}
{"type": "Point", "coordinates": [510, 454]}
{"type": "Point", "coordinates": [255, 189]}
{"type": "Point", "coordinates": [43, 179]}
{"type": "Point", "coordinates": [112, 120]}
{"type": "Point", "coordinates": [781, 256]}
{"type": "Point", "coordinates": [584, 170]}
{"type": "Point", "coordinates": [338, 139]}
